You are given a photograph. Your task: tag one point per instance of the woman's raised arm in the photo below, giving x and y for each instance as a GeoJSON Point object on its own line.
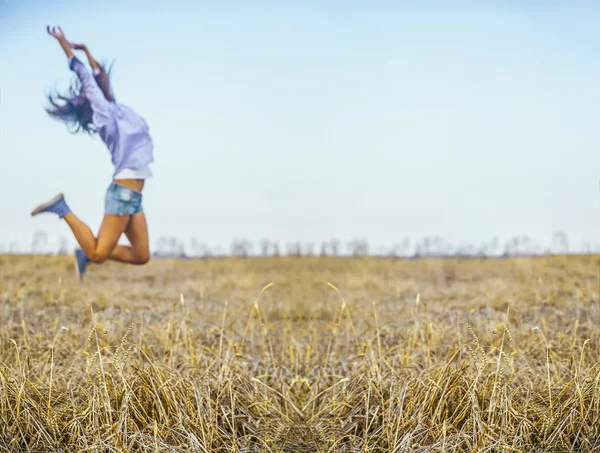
{"type": "Point", "coordinates": [102, 78]}
{"type": "Point", "coordinates": [92, 92]}
{"type": "Point", "coordinates": [93, 63]}
{"type": "Point", "coordinates": [60, 37]}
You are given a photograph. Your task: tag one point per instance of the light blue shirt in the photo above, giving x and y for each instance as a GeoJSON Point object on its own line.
{"type": "Point", "coordinates": [125, 133]}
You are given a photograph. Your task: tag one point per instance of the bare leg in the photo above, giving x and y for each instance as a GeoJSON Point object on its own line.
{"type": "Point", "coordinates": [98, 249]}
{"type": "Point", "coordinates": [83, 233]}
{"type": "Point", "coordinates": [137, 233]}
{"type": "Point", "coordinates": [122, 254]}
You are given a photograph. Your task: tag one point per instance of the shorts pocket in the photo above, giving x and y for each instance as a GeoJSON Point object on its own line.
{"type": "Point", "coordinates": [121, 200]}
{"type": "Point", "coordinates": [124, 194]}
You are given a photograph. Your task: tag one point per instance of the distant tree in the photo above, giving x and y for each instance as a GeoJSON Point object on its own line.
{"type": "Point", "coordinates": [180, 248]}
{"type": "Point", "coordinates": [237, 248]}
{"type": "Point", "coordinates": [290, 248]}
{"type": "Point", "coordinates": [324, 249]}
{"type": "Point", "coordinates": [358, 247]}
{"type": "Point", "coordinates": [14, 247]}
{"type": "Point", "coordinates": [586, 247]}
{"type": "Point", "coordinates": [421, 248]}
{"type": "Point", "coordinates": [526, 245]}
{"type": "Point", "coordinates": [334, 245]}
{"type": "Point", "coordinates": [466, 250]}
{"type": "Point", "coordinates": [427, 246]}
{"type": "Point", "coordinates": [482, 251]}
{"type": "Point", "coordinates": [560, 244]}
{"type": "Point", "coordinates": [195, 247]}
{"type": "Point", "coordinates": [39, 242]}
{"type": "Point", "coordinates": [398, 250]}
{"type": "Point", "coordinates": [309, 249]}
{"type": "Point", "coordinates": [394, 251]}
{"type": "Point", "coordinates": [351, 247]}
{"type": "Point", "coordinates": [448, 248]}
{"type": "Point", "coordinates": [364, 247]}
{"type": "Point", "coordinates": [491, 248]}
{"type": "Point", "coordinates": [161, 246]}
{"type": "Point", "coordinates": [63, 245]}
{"type": "Point", "coordinates": [204, 250]}
{"type": "Point", "coordinates": [265, 247]}
{"type": "Point", "coordinates": [430, 246]}
{"type": "Point", "coordinates": [522, 245]}
{"type": "Point", "coordinates": [535, 247]}
{"type": "Point", "coordinates": [275, 249]}
{"type": "Point", "coordinates": [512, 246]}
{"type": "Point", "coordinates": [173, 246]}
{"type": "Point", "coordinates": [241, 248]}
{"type": "Point", "coordinates": [404, 247]}
{"type": "Point", "coordinates": [249, 247]}
{"type": "Point", "coordinates": [435, 246]}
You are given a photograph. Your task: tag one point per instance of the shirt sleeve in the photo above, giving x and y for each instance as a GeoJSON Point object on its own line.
{"type": "Point", "coordinates": [90, 88]}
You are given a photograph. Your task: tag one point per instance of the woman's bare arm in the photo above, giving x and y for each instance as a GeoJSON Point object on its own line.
{"type": "Point", "coordinates": [92, 92]}
{"type": "Point", "coordinates": [100, 75]}
{"type": "Point", "coordinates": [60, 37]}
{"type": "Point", "coordinates": [93, 63]}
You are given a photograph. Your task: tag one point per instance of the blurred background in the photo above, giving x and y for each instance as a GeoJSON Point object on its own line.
{"type": "Point", "coordinates": [318, 127]}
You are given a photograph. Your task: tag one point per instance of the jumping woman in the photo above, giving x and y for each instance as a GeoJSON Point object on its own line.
{"type": "Point", "coordinates": [90, 107]}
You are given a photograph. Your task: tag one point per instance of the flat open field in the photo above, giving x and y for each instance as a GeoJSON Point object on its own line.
{"type": "Point", "coordinates": [405, 356]}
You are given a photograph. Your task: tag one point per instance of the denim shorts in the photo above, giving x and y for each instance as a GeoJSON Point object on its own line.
{"type": "Point", "coordinates": [121, 200]}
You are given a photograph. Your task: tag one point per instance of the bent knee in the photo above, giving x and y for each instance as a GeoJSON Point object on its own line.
{"type": "Point", "coordinates": [98, 257]}
{"type": "Point", "coordinates": [142, 259]}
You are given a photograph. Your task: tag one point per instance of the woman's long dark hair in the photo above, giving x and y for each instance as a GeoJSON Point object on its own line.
{"type": "Point", "coordinates": [74, 108]}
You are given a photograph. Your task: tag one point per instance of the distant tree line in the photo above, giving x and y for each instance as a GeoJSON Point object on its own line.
{"type": "Point", "coordinates": [429, 246]}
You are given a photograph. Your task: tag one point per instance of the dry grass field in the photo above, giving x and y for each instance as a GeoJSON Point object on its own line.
{"type": "Point", "coordinates": [335, 355]}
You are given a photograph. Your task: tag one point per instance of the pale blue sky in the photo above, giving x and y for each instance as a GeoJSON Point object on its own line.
{"type": "Point", "coordinates": [308, 121]}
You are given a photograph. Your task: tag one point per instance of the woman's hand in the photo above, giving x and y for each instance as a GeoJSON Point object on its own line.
{"type": "Point", "coordinates": [93, 63]}
{"type": "Point", "coordinates": [56, 32]}
{"type": "Point", "coordinates": [60, 37]}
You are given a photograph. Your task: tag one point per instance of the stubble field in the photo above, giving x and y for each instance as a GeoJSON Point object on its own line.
{"type": "Point", "coordinates": [301, 355]}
